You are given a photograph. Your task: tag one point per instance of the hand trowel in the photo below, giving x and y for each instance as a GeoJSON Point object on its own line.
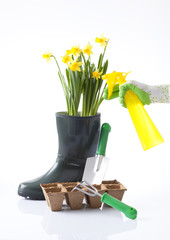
{"type": "Point", "coordinates": [95, 167]}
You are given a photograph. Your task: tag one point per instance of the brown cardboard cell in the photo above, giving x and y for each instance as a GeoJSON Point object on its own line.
{"type": "Point", "coordinates": [45, 195]}
{"type": "Point", "coordinates": [116, 192]}
{"type": "Point", "coordinates": [95, 202]}
{"type": "Point", "coordinates": [74, 199]}
{"type": "Point", "coordinates": [112, 186]}
{"type": "Point", "coordinates": [55, 198]}
{"type": "Point", "coordinates": [44, 187]}
{"type": "Point", "coordinates": [49, 185]}
{"type": "Point", "coordinates": [110, 182]}
{"type": "Point", "coordinates": [68, 184]}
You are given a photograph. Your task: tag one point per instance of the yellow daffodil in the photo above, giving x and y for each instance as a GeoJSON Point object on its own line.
{"type": "Point", "coordinates": [88, 50]}
{"type": "Point", "coordinates": [75, 66]}
{"type": "Point", "coordinates": [66, 59]}
{"type": "Point", "coordinates": [102, 40]}
{"type": "Point", "coordinates": [112, 79]}
{"type": "Point", "coordinates": [74, 50]}
{"type": "Point", "coordinates": [69, 52]}
{"type": "Point", "coordinates": [47, 56]}
{"type": "Point", "coordinates": [97, 74]}
{"type": "Point", "coordinates": [109, 76]}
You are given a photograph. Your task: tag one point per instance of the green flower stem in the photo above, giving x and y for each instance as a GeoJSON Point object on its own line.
{"type": "Point", "coordinates": [101, 98]}
{"type": "Point", "coordinates": [86, 96]}
{"type": "Point", "coordinates": [89, 98]}
{"type": "Point", "coordinates": [85, 92]}
{"type": "Point", "coordinates": [96, 102]}
{"type": "Point", "coordinates": [65, 91]}
{"type": "Point", "coordinates": [97, 106]}
{"type": "Point", "coordinates": [69, 93]}
{"type": "Point", "coordinates": [101, 59]}
{"type": "Point", "coordinates": [62, 82]}
{"type": "Point", "coordinates": [84, 104]}
{"type": "Point", "coordinates": [94, 98]}
{"type": "Point", "coordinates": [83, 58]}
{"type": "Point", "coordinates": [68, 78]}
{"type": "Point", "coordinates": [103, 90]}
{"type": "Point", "coordinates": [77, 89]}
{"type": "Point", "coordinates": [82, 112]}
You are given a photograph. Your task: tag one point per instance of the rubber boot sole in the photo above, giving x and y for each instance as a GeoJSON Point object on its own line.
{"type": "Point", "coordinates": [31, 196]}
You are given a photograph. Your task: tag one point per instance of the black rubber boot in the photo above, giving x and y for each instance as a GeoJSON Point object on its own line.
{"type": "Point", "coordinates": [78, 139]}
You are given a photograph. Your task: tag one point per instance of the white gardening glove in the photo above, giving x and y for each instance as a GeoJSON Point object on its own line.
{"type": "Point", "coordinates": [146, 93]}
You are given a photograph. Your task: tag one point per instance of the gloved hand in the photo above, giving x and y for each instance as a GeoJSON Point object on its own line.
{"type": "Point", "coordinates": [147, 94]}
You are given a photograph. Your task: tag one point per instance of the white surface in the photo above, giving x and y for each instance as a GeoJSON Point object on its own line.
{"type": "Point", "coordinates": [30, 94]}
{"type": "Point", "coordinates": [25, 219]}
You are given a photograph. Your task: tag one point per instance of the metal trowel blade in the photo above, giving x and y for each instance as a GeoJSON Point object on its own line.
{"type": "Point", "coordinates": [95, 169]}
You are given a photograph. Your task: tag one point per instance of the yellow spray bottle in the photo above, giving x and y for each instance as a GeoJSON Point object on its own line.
{"type": "Point", "coordinates": [147, 132]}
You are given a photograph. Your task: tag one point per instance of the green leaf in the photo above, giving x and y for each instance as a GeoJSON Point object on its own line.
{"type": "Point", "coordinates": [68, 78]}
{"type": "Point", "coordinates": [100, 60]}
{"type": "Point", "coordinates": [105, 67]}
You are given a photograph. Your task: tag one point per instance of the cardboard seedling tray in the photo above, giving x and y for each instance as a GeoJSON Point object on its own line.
{"type": "Point", "coordinates": [55, 193]}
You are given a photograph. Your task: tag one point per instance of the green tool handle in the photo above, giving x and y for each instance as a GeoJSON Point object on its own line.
{"type": "Point", "coordinates": [105, 129]}
{"type": "Point", "coordinates": [115, 203]}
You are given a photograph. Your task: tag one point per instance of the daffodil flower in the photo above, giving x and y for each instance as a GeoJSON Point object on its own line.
{"type": "Point", "coordinates": [112, 79]}
{"type": "Point", "coordinates": [47, 56]}
{"type": "Point", "coordinates": [97, 74]}
{"type": "Point", "coordinates": [75, 66]}
{"type": "Point", "coordinates": [66, 59]}
{"type": "Point", "coordinates": [68, 52]}
{"type": "Point", "coordinates": [87, 50]}
{"type": "Point", "coordinates": [102, 40]}
{"type": "Point", "coordinates": [74, 50]}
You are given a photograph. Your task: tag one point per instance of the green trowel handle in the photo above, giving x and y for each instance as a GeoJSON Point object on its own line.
{"type": "Point", "coordinates": [105, 129]}
{"type": "Point", "coordinates": [115, 203]}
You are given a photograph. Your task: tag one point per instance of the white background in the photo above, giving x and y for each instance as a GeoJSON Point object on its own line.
{"type": "Point", "coordinates": [31, 94]}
